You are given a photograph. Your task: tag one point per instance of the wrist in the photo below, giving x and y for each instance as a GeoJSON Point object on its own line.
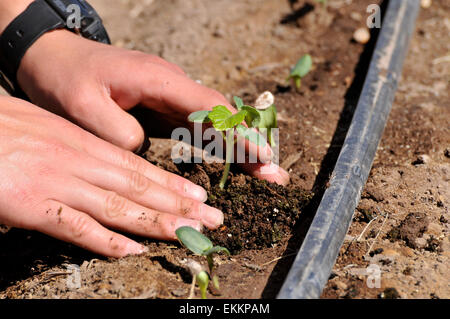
{"type": "Point", "coordinates": [48, 57]}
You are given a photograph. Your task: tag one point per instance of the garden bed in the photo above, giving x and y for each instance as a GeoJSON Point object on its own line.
{"type": "Point", "coordinates": [245, 48]}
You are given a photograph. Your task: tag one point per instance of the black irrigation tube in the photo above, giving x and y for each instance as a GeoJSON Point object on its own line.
{"type": "Point", "coordinates": [314, 262]}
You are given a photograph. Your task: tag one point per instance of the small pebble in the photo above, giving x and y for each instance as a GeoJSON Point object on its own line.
{"type": "Point", "coordinates": [179, 292]}
{"type": "Point", "coordinates": [361, 35]}
{"type": "Point", "coordinates": [102, 291]}
{"type": "Point", "coordinates": [420, 242]}
{"type": "Point", "coordinates": [425, 3]}
{"type": "Point", "coordinates": [341, 285]}
{"type": "Point", "coordinates": [356, 16]}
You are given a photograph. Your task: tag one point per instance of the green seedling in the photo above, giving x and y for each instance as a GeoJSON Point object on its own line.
{"type": "Point", "coordinates": [264, 120]}
{"type": "Point", "coordinates": [300, 70]}
{"type": "Point", "coordinates": [199, 244]}
{"type": "Point", "coordinates": [203, 281]}
{"type": "Point", "coordinates": [228, 124]}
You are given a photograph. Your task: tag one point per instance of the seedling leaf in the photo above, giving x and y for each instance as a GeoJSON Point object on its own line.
{"type": "Point", "coordinates": [253, 117]}
{"type": "Point", "coordinates": [223, 119]}
{"type": "Point", "coordinates": [268, 117]}
{"type": "Point", "coordinates": [239, 103]}
{"type": "Point", "coordinates": [302, 67]}
{"type": "Point", "coordinates": [251, 135]}
{"type": "Point", "coordinates": [235, 119]}
{"type": "Point", "coordinates": [199, 117]}
{"type": "Point", "coordinates": [193, 240]}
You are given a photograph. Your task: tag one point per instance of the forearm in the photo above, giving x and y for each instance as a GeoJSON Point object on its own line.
{"type": "Point", "coordinates": [9, 9]}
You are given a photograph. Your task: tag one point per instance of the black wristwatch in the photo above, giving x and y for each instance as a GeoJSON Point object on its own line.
{"type": "Point", "coordinates": [40, 17]}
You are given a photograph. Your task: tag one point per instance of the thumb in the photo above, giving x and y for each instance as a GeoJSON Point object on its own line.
{"type": "Point", "coordinates": [110, 122]}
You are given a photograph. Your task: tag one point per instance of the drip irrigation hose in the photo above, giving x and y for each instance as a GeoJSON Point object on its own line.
{"type": "Point", "coordinates": [314, 262]}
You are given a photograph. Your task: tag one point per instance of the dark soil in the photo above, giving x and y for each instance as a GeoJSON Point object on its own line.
{"type": "Point", "coordinates": [258, 214]}
{"type": "Point", "coordinates": [412, 227]}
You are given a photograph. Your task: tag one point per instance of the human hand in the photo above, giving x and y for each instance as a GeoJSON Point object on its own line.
{"type": "Point", "coordinates": [94, 85]}
{"type": "Point", "coordinates": [58, 179]}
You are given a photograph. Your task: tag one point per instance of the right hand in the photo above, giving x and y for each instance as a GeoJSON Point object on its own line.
{"type": "Point", "coordinates": [59, 179]}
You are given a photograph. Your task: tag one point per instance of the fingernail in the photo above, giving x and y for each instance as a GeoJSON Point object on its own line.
{"type": "Point", "coordinates": [275, 174]}
{"type": "Point", "coordinates": [134, 248]}
{"type": "Point", "coordinates": [212, 217]}
{"type": "Point", "coordinates": [269, 169]}
{"type": "Point", "coordinates": [196, 192]}
{"type": "Point", "coordinates": [266, 154]}
{"type": "Point", "coordinates": [284, 177]}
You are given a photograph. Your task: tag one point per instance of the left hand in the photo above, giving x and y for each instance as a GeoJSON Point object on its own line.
{"type": "Point", "coordinates": [94, 85]}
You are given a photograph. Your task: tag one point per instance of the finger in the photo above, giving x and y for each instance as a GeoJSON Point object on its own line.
{"type": "Point", "coordinates": [270, 172]}
{"type": "Point", "coordinates": [141, 190]}
{"type": "Point", "coordinates": [263, 153]}
{"type": "Point", "coordinates": [115, 211]}
{"type": "Point", "coordinates": [156, 60]}
{"type": "Point", "coordinates": [106, 152]}
{"type": "Point", "coordinates": [100, 114]}
{"type": "Point", "coordinates": [70, 225]}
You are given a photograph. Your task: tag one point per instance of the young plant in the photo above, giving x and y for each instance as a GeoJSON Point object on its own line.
{"type": "Point", "coordinates": [300, 70]}
{"type": "Point", "coordinates": [264, 120]}
{"type": "Point", "coordinates": [228, 124]}
{"type": "Point", "coordinates": [199, 244]}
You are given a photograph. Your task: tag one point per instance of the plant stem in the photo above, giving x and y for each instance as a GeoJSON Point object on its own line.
{"type": "Point", "coordinates": [298, 82]}
{"type": "Point", "coordinates": [228, 157]}
{"type": "Point", "coordinates": [210, 260]}
{"type": "Point", "coordinates": [269, 136]}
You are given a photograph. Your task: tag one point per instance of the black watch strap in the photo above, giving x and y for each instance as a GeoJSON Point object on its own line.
{"type": "Point", "coordinates": [22, 32]}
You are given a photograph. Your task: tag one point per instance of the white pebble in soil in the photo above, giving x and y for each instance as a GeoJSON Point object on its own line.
{"type": "Point", "coordinates": [425, 3]}
{"type": "Point", "coordinates": [361, 35]}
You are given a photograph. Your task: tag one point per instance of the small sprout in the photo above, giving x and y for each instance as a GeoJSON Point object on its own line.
{"type": "Point", "coordinates": [199, 275]}
{"type": "Point", "coordinates": [199, 244]}
{"type": "Point", "coordinates": [361, 35]}
{"type": "Point", "coordinates": [199, 117]}
{"type": "Point", "coordinates": [239, 103]}
{"type": "Point", "coordinates": [300, 70]}
{"type": "Point", "coordinates": [223, 120]}
{"type": "Point", "coordinates": [203, 281]}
